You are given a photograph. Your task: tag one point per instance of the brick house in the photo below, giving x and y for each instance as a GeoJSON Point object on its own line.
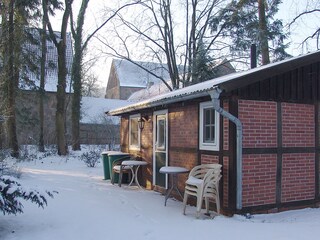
{"type": "Point", "coordinates": [126, 78]}
{"type": "Point", "coordinates": [262, 125]}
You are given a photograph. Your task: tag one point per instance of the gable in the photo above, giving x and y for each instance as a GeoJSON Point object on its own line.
{"type": "Point", "coordinates": [131, 75]}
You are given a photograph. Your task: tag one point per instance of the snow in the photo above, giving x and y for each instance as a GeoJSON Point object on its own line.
{"type": "Point", "coordinates": [93, 109]}
{"type": "Point", "coordinates": [131, 75]}
{"type": "Point", "coordinates": [88, 207]}
{"type": "Point", "coordinates": [173, 170]}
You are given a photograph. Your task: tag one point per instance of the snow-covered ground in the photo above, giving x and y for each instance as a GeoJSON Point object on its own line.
{"type": "Point", "coordinates": [88, 207]}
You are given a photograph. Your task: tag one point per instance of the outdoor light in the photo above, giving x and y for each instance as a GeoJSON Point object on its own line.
{"type": "Point", "coordinates": [142, 121]}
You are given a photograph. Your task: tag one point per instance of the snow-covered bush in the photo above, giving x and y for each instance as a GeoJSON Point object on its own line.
{"type": "Point", "coordinates": [91, 158]}
{"type": "Point", "coordinates": [28, 152]}
{"type": "Point", "coordinates": [11, 192]}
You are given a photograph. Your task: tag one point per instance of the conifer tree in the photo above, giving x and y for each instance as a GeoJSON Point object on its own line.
{"type": "Point", "coordinates": [15, 15]}
{"type": "Point", "coordinates": [247, 22]}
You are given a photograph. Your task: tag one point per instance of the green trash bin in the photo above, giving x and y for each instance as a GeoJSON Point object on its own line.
{"type": "Point", "coordinates": [113, 157]}
{"type": "Point", "coordinates": [106, 165]}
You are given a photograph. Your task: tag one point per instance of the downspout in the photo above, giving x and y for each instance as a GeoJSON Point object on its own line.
{"type": "Point", "coordinates": [215, 94]}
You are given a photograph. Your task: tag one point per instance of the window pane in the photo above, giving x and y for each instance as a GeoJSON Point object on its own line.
{"type": "Point", "coordinates": [161, 133]}
{"type": "Point", "coordinates": [208, 125]}
{"type": "Point", "coordinates": [207, 116]}
{"type": "Point", "coordinates": [212, 133]}
{"type": "Point", "coordinates": [134, 134]}
{"type": "Point", "coordinates": [212, 112]}
{"type": "Point", "coordinates": [207, 134]}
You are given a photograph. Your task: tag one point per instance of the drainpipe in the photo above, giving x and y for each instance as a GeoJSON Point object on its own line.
{"type": "Point", "coordinates": [215, 94]}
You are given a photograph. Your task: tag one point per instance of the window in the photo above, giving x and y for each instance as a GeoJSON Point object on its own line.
{"type": "Point", "coordinates": [161, 133]}
{"type": "Point", "coordinates": [134, 132]}
{"type": "Point", "coordinates": [208, 127]}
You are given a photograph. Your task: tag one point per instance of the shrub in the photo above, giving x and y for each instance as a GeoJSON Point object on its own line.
{"type": "Point", "coordinates": [11, 192]}
{"type": "Point", "coordinates": [91, 158]}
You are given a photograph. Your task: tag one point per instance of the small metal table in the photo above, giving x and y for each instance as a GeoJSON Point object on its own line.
{"type": "Point", "coordinates": [134, 167]}
{"type": "Point", "coordinates": [173, 171]}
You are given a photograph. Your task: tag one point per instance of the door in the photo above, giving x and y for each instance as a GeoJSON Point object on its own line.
{"type": "Point", "coordinates": [160, 149]}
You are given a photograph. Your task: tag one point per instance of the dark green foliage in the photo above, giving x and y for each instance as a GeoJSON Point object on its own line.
{"type": "Point", "coordinates": [202, 70]}
{"type": "Point", "coordinates": [11, 192]}
{"type": "Point", "coordinates": [239, 22]}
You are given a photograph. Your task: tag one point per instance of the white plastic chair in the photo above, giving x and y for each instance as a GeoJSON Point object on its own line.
{"type": "Point", "coordinates": [203, 182]}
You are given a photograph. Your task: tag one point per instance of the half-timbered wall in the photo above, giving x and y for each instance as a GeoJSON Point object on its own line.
{"type": "Point", "coordinates": [279, 154]}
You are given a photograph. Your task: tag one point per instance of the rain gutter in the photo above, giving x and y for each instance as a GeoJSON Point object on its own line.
{"type": "Point", "coordinates": [215, 95]}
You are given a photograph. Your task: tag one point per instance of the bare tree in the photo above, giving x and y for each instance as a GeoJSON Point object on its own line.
{"type": "Point", "coordinates": [80, 44]}
{"type": "Point", "coordinates": [311, 10]}
{"type": "Point", "coordinates": [46, 9]}
{"type": "Point", "coordinates": [171, 33]}
{"type": "Point", "coordinates": [59, 41]}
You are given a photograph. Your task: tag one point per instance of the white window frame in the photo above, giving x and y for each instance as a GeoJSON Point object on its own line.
{"type": "Point", "coordinates": [205, 145]}
{"type": "Point", "coordinates": [133, 146]}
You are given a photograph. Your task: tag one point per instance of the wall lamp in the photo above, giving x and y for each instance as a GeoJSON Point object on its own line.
{"type": "Point", "coordinates": [142, 121]}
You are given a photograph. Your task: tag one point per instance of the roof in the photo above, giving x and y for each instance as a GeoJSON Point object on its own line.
{"type": "Point", "coordinates": [93, 109]}
{"type": "Point", "coordinates": [220, 69]}
{"type": "Point", "coordinates": [227, 83]}
{"type": "Point", "coordinates": [131, 75]}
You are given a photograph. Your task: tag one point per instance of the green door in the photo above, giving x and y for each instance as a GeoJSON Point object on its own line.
{"type": "Point", "coordinates": [160, 150]}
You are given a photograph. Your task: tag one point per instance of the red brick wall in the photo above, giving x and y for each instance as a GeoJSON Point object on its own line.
{"type": "Point", "coordinates": [225, 181]}
{"type": "Point", "coordinates": [183, 124]}
{"type": "Point", "coordinates": [226, 127]}
{"type": "Point", "coordinates": [298, 125]}
{"type": "Point", "coordinates": [259, 179]}
{"type": "Point", "coordinates": [259, 119]}
{"type": "Point", "coordinates": [183, 132]}
{"type": "Point", "coordinates": [124, 134]}
{"type": "Point", "coordinates": [147, 151]}
{"type": "Point", "coordinates": [206, 159]}
{"type": "Point", "coordinates": [298, 177]}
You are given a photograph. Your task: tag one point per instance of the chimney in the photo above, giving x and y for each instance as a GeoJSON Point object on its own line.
{"type": "Point", "coordinates": [253, 55]}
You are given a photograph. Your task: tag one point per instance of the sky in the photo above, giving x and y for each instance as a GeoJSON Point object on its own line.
{"type": "Point", "coordinates": [88, 207]}
{"type": "Point", "coordinates": [287, 11]}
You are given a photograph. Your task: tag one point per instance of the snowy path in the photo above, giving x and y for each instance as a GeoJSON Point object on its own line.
{"type": "Point", "coordinates": [88, 207]}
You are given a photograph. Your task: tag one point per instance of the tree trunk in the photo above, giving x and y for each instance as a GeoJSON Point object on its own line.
{"type": "Point", "coordinates": [263, 32]}
{"type": "Point", "coordinates": [76, 75]}
{"type": "Point", "coordinates": [11, 88]}
{"type": "Point", "coordinates": [42, 75]}
{"type": "Point", "coordinates": [60, 44]}
{"type": "Point", "coordinates": [61, 99]}
{"type": "Point", "coordinates": [76, 99]}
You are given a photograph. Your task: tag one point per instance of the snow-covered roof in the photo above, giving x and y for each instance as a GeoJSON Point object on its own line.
{"type": "Point", "coordinates": [222, 68]}
{"type": "Point", "coordinates": [93, 109]}
{"type": "Point", "coordinates": [227, 83]}
{"type": "Point", "coordinates": [51, 77]}
{"type": "Point", "coordinates": [149, 92]}
{"type": "Point", "coordinates": [131, 75]}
